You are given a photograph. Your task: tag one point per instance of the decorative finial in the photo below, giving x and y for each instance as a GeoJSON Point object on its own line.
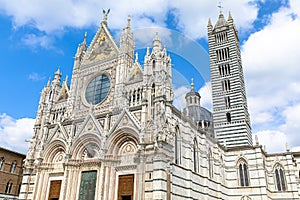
{"type": "Point", "coordinates": [192, 84]}
{"type": "Point", "coordinates": [105, 13]}
{"type": "Point", "coordinates": [229, 16]}
{"type": "Point", "coordinates": [148, 51]}
{"type": "Point", "coordinates": [84, 37]}
{"type": "Point", "coordinates": [209, 22]}
{"type": "Point", "coordinates": [48, 84]}
{"type": "Point", "coordinates": [256, 140]}
{"type": "Point", "coordinates": [58, 71]}
{"type": "Point", "coordinates": [287, 147]}
{"type": "Point", "coordinates": [136, 57]}
{"type": "Point", "coordinates": [156, 36]}
{"type": "Point", "coordinates": [220, 6]}
{"type": "Point", "coordinates": [128, 22]}
{"type": "Point", "coordinates": [66, 79]}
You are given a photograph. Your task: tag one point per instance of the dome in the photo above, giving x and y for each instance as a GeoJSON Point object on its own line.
{"type": "Point", "coordinates": [192, 93]}
{"type": "Point", "coordinates": [198, 113]}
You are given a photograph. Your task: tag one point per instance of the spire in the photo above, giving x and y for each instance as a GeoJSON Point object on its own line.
{"type": "Point", "coordinates": [156, 43]}
{"type": "Point", "coordinates": [48, 84]}
{"type": "Point", "coordinates": [57, 76]}
{"type": "Point", "coordinates": [128, 23]}
{"type": "Point", "coordinates": [209, 22]}
{"type": "Point", "coordinates": [84, 38]}
{"type": "Point", "coordinates": [58, 71]}
{"type": "Point", "coordinates": [136, 57]}
{"type": "Point", "coordinates": [221, 21]}
{"type": "Point", "coordinates": [66, 79]}
{"type": "Point", "coordinates": [229, 16]}
{"type": "Point", "coordinates": [148, 51]}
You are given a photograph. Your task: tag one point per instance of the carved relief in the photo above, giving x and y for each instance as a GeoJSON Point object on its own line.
{"type": "Point", "coordinates": [59, 157]}
{"type": "Point", "coordinates": [128, 148]}
{"type": "Point", "coordinates": [91, 151]}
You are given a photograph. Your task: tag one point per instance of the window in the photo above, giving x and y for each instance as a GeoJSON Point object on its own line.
{"type": "Point", "coordinates": [226, 85]}
{"type": "Point", "coordinates": [223, 54]}
{"type": "Point", "coordinates": [221, 37]}
{"type": "Point", "coordinates": [152, 100]}
{"type": "Point", "coordinates": [243, 174]}
{"type": "Point", "coordinates": [177, 147]}
{"type": "Point", "coordinates": [280, 179]}
{"type": "Point", "coordinates": [224, 69]}
{"type": "Point", "coordinates": [228, 117]}
{"type": "Point", "coordinates": [8, 187]}
{"type": "Point", "coordinates": [227, 102]}
{"type": "Point", "coordinates": [97, 89]}
{"type": "Point", "coordinates": [195, 155]}
{"type": "Point", "coordinates": [210, 164]}
{"type": "Point", "coordinates": [1, 162]}
{"type": "Point", "coordinates": [153, 65]}
{"type": "Point", "coordinates": [13, 167]}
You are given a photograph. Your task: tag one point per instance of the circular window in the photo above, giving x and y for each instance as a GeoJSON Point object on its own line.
{"type": "Point", "coordinates": [97, 89]}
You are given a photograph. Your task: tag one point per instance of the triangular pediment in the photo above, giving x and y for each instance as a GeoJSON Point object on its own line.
{"type": "Point", "coordinates": [58, 132]}
{"type": "Point", "coordinates": [125, 119]}
{"type": "Point", "coordinates": [135, 74]}
{"type": "Point", "coordinates": [102, 46]}
{"type": "Point", "coordinates": [90, 124]}
{"type": "Point", "coordinates": [64, 92]}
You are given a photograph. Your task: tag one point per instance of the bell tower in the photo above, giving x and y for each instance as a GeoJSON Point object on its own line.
{"type": "Point", "coordinates": [230, 111]}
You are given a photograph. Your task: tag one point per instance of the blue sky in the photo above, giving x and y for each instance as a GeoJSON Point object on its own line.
{"type": "Point", "coordinates": [38, 36]}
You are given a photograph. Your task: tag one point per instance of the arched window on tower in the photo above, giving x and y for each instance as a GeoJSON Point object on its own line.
{"type": "Point", "coordinates": [195, 155]}
{"type": "Point", "coordinates": [152, 100]}
{"type": "Point", "coordinates": [243, 173]}
{"type": "Point", "coordinates": [153, 65]}
{"type": "Point", "coordinates": [280, 178]}
{"type": "Point", "coordinates": [2, 160]}
{"type": "Point", "coordinates": [13, 166]}
{"type": "Point", "coordinates": [228, 117]}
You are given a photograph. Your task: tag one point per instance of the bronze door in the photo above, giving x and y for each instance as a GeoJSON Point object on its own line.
{"type": "Point", "coordinates": [54, 190]}
{"type": "Point", "coordinates": [126, 187]}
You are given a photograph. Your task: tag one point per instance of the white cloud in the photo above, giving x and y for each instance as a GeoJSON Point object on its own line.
{"type": "Point", "coordinates": [179, 97]}
{"type": "Point", "coordinates": [205, 93]}
{"type": "Point", "coordinates": [34, 41]}
{"type": "Point", "coordinates": [271, 67]}
{"type": "Point", "coordinates": [191, 16]}
{"type": "Point", "coordinates": [292, 125]}
{"type": "Point", "coordinates": [13, 132]}
{"type": "Point", "coordinates": [206, 98]}
{"type": "Point", "coordinates": [274, 141]}
{"type": "Point", "coordinates": [36, 77]}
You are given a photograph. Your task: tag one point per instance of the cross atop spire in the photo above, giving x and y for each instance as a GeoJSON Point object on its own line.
{"type": "Point", "coordinates": [192, 84]}
{"type": "Point", "coordinates": [220, 6]}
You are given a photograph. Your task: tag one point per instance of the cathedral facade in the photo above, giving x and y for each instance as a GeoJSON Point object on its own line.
{"type": "Point", "coordinates": [114, 134]}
